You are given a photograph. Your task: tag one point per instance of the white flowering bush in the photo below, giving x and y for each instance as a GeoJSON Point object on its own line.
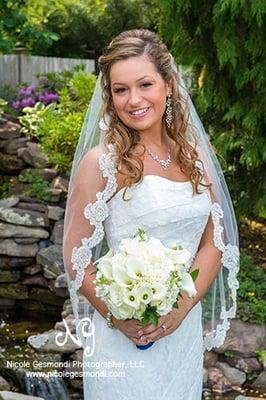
{"type": "Point", "coordinates": [144, 278]}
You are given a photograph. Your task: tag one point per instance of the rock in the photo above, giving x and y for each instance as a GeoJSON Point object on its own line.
{"type": "Point", "coordinates": [47, 342]}
{"type": "Point", "coordinates": [244, 364]}
{"type": "Point", "coordinates": [58, 231]}
{"type": "Point", "coordinates": [217, 381]}
{"type": "Point", "coordinates": [25, 240]}
{"type": "Point", "coordinates": [5, 395]}
{"type": "Point", "coordinates": [60, 183]}
{"type": "Point", "coordinates": [54, 195]}
{"type": "Point", "coordinates": [55, 213]}
{"type": "Point", "coordinates": [51, 259]}
{"type": "Point", "coordinates": [36, 308]}
{"type": "Point", "coordinates": [11, 164]}
{"type": "Point", "coordinates": [244, 338]}
{"type": "Point", "coordinates": [32, 269]}
{"type": "Point", "coordinates": [7, 303]}
{"type": "Point", "coordinates": [61, 281]}
{"type": "Point", "coordinates": [45, 296]}
{"type": "Point", "coordinates": [70, 320]}
{"type": "Point", "coordinates": [4, 385]}
{"type": "Point", "coordinates": [10, 131]}
{"type": "Point", "coordinates": [9, 275]}
{"type": "Point", "coordinates": [260, 382]}
{"type": "Point", "coordinates": [38, 280]}
{"type": "Point", "coordinates": [76, 384]}
{"type": "Point", "coordinates": [33, 206]}
{"type": "Point", "coordinates": [33, 155]}
{"type": "Point", "coordinates": [46, 173]}
{"type": "Point", "coordinates": [67, 309]}
{"type": "Point", "coordinates": [20, 231]}
{"type": "Point", "coordinates": [22, 217]}
{"type": "Point", "coordinates": [60, 292]}
{"type": "Point", "coordinates": [9, 202]}
{"type": "Point", "coordinates": [14, 262]}
{"type": "Point", "coordinates": [235, 376]}
{"type": "Point", "coordinates": [12, 146]}
{"type": "Point", "coordinates": [10, 248]}
{"type": "Point", "coordinates": [210, 359]}
{"type": "Point", "coordinates": [15, 291]}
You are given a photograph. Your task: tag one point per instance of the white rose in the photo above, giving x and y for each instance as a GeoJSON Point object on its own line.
{"type": "Point", "coordinates": [124, 311]}
{"type": "Point", "coordinates": [115, 294]}
{"type": "Point", "coordinates": [179, 256]}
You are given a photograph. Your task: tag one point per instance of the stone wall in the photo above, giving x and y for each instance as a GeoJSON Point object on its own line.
{"type": "Point", "coordinates": [30, 230]}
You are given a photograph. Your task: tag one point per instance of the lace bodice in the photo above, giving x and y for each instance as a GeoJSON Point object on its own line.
{"type": "Point", "coordinates": [166, 209]}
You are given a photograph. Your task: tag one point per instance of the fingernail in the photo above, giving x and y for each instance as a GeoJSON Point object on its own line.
{"type": "Point", "coordinates": [140, 333]}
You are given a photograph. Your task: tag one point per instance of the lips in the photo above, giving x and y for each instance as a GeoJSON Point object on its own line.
{"type": "Point", "coordinates": [139, 113]}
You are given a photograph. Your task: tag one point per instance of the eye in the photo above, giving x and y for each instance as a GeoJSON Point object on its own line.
{"type": "Point", "coordinates": [146, 84]}
{"type": "Point", "coordinates": [119, 90]}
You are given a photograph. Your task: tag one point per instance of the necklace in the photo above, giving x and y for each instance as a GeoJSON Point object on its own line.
{"type": "Point", "coordinates": [164, 163]}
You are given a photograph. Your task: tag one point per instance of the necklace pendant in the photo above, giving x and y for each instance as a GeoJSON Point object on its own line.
{"type": "Point", "coordinates": [164, 163]}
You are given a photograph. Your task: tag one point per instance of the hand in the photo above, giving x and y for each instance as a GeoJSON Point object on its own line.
{"type": "Point", "coordinates": [170, 321]}
{"type": "Point", "coordinates": [130, 328]}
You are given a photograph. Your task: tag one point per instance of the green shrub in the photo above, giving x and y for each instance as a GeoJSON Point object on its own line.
{"type": "Point", "coordinates": [251, 292]}
{"type": "Point", "coordinates": [57, 126]}
{"type": "Point", "coordinates": [39, 187]}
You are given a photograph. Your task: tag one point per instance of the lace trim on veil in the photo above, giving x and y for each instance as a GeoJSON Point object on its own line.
{"type": "Point", "coordinates": [96, 213]}
{"type": "Point", "coordinates": [230, 260]}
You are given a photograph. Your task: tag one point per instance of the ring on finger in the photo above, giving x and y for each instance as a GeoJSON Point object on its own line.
{"type": "Point", "coordinates": [163, 328]}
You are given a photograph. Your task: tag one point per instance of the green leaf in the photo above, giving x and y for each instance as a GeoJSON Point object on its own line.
{"type": "Point", "coordinates": [194, 274]}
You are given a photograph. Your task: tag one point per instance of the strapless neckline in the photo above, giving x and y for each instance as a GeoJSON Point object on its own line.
{"type": "Point", "coordinates": [154, 177]}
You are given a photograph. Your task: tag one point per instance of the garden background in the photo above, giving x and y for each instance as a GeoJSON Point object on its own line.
{"type": "Point", "coordinates": [221, 46]}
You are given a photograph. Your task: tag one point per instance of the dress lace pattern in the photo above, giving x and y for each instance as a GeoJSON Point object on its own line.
{"type": "Point", "coordinates": [97, 213]}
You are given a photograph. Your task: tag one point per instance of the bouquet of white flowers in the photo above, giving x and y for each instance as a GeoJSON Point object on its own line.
{"type": "Point", "coordinates": [144, 279]}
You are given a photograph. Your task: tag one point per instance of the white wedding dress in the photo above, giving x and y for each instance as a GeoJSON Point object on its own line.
{"type": "Point", "coordinates": [172, 368]}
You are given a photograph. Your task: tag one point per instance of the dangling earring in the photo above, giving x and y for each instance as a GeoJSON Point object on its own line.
{"type": "Point", "coordinates": [169, 111]}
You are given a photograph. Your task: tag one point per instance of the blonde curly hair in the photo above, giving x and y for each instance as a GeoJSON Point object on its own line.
{"type": "Point", "coordinates": [139, 42]}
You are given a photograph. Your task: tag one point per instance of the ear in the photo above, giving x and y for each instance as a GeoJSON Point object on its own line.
{"type": "Point", "coordinates": [169, 86]}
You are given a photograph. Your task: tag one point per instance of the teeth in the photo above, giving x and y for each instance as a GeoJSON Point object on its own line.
{"type": "Point", "coordinates": [141, 111]}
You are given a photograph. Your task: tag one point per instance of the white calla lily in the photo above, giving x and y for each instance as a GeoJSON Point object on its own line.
{"type": "Point", "coordinates": [130, 298]}
{"type": "Point", "coordinates": [144, 294]}
{"type": "Point", "coordinates": [159, 291]}
{"type": "Point", "coordinates": [187, 285]}
{"type": "Point", "coordinates": [121, 276]}
{"type": "Point", "coordinates": [135, 267]}
{"type": "Point", "coordinates": [105, 267]}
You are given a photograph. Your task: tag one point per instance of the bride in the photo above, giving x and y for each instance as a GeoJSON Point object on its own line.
{"type": "Point", "coordinates": [154, 168]}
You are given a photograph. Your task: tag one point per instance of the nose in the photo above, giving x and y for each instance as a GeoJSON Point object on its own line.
{"type": "Point", "coordinates": [135, 98]}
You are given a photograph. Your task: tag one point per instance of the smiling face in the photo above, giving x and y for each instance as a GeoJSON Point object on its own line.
{"type": "Point", "coordinates": [139, 93]}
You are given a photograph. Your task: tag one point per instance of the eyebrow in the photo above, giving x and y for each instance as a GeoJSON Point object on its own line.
{"type": "Point", "coordinates": [143, 77]}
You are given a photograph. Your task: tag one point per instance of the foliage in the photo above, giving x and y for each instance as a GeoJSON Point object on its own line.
{"type": "Point", "coordinates": [57, 126]}
{"type": "Point", "coordinates": [224, 42]}
{"type": "Point", "coordinates": [86, 26]}
{"type": "Point", "coordinates": [39, 187]}
{"type": "Point", "coordinates": [17, 30]}
{"type": "Point", "coordinates": [32, 118]}
{"type": "Point", "coordinates": [251, 292]}
{"type": "Point", "coordinates": [3, 104]}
